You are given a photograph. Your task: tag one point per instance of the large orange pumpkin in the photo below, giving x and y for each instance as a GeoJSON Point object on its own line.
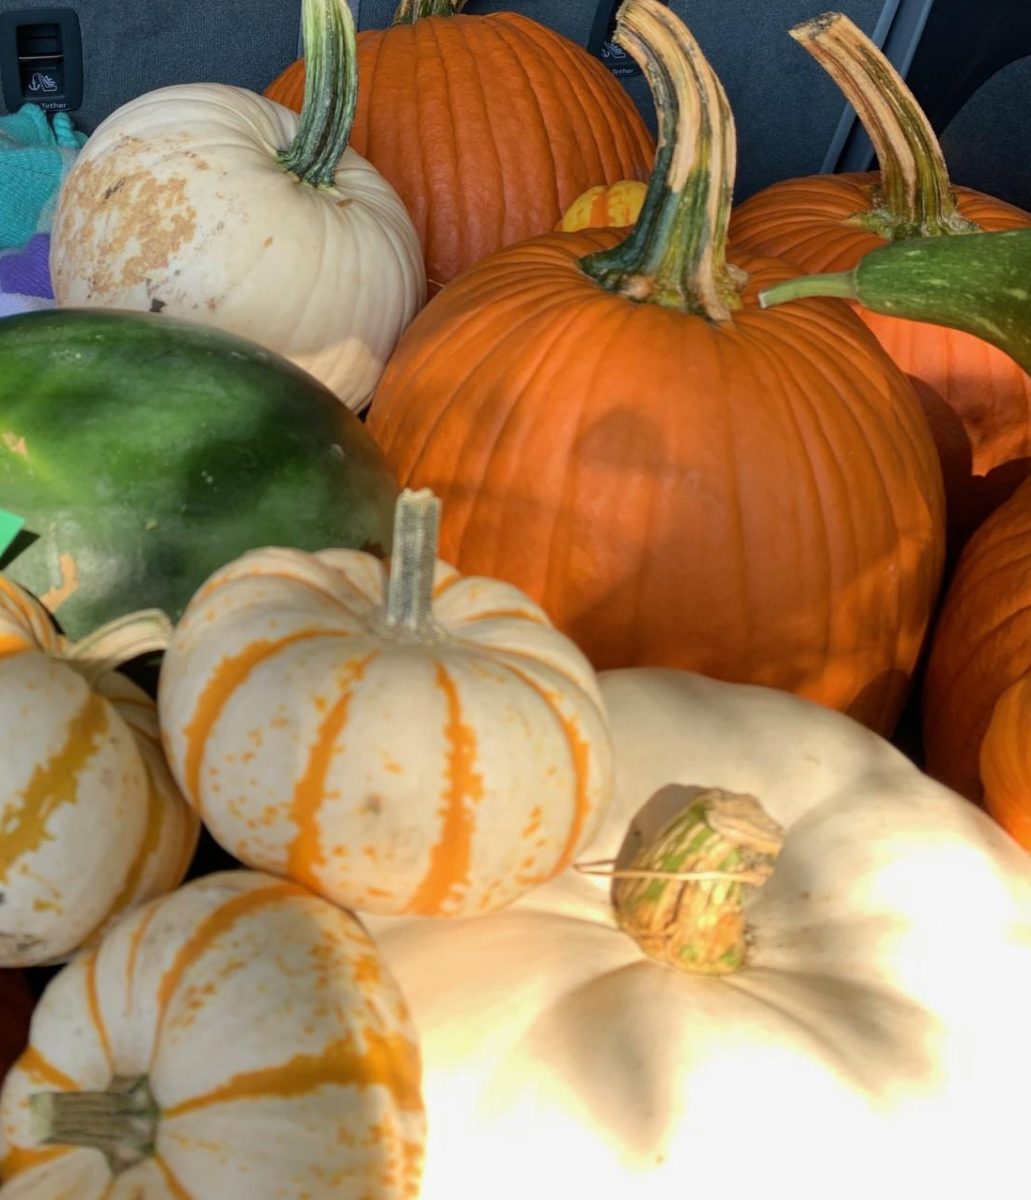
{"type": "Point", "coordinates": [487, 126]}
{"type": "Point", "coordinates": [677, 476]}
{"type": "Point", "coordinates": [982, 648]}
{"type": "Point", "coordinates": [1006, 761]}
{"type": "Point", "coordinates": [977, 400]}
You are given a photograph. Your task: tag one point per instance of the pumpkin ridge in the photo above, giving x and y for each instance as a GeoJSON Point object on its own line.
{"type": "Point", "coordinates": [150, 840]}
{"type": "Point", "coordinates": [225, 680]}
{"type": "Point", "coordinates": [501, 28]}
{"type": "Point", "coordinates": [96, 1016]}
{"type": "Point", "coordinates": [304, 854]}
{"type": "Point", "coordinates": [34, 1062]}
{"type": "Point", "coordinates": [143, 924]}
{"type": "Point", "coordinates": [17, 1160]}
{"type": "Point", "coordinates": [579, 757]}
{"type": "Point", "coordinates": [220, 921]}
{"type": "Point", "coordinates": [342, 1063]}
{"type": "Point", "coordinates": [53, 784]}
{"type": "Point", "coordinates": [171, 1182]}
{"type": "Point", "coordinates": [451, 854]}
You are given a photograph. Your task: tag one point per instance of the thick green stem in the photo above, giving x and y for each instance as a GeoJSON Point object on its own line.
{"type": "Point", "coordinates": [330, 93]}
{"type": "Point", "coordinates": [121, 1123]}
{"type": "Point", "coordinates": [980, 284]}
{"type": "Point", "coordinates": [118, 642]}
{"type": "Point", "coordinates": [413, 561]}
{"type": "Point", "coordinates": [682, 896]}
{"type": "Point", "coordinates": [409, 11]}
{"type": "Point", "coordinates": [676, 254]}
{"type": "Point", "coordinates": [914, 198]}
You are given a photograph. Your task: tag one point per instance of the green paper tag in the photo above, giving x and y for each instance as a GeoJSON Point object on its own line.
{"type": "Point", "coordinates": [10, 527]}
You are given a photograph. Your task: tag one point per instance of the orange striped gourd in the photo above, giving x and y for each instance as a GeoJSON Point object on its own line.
{"type": "Point", "coordinates": [611, 206]}
{"type": "Point", "coordinates": [91, 823]}
{"type": "Point", "coordinates": [399, 739]}
{"type": "Point", "coordinates": [238, 1039]}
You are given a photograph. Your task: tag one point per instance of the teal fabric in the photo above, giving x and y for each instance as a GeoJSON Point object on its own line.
{"type": "Point", "coordinates": [35, 156]}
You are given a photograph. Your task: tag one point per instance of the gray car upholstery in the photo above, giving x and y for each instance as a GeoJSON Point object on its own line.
{"type": "Point", "coordinates": [787, 109]}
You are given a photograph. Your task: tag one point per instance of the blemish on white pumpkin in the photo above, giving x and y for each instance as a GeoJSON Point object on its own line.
{"type": "Point", "coordinates": [1016, 293]}
{"type": "Point", "coordinates": [16, 444]}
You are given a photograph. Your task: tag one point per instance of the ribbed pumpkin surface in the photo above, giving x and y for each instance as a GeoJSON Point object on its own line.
{"type": "Point", "coordinates": [757, 501]}
{"type": "Point", "coordinates": [982, 644]}
{"type": "Point", "coordinates": [976, 398]}
{"type": "Point", "coordinates": [489, 127]}
{"type": "Point", "coordinates": [1006, 762]}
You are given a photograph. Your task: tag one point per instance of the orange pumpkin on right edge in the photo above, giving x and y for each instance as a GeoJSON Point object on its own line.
{"type": "Point", "coordinates": [678, 477]}
{"type": "Point", "coordinates": [977, 400]}
{"type": "Point", "coordinates": [977, 693]}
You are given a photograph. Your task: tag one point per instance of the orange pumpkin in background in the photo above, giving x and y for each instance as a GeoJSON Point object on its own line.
{"type": "Point", "coordinates": [678, 477]}
{"type": "Point", "coordinates": [440, 93]}
{"type": "Point", "coordinates": [979, 669]}
{"type": "Point", "coordinates": [976, 398]}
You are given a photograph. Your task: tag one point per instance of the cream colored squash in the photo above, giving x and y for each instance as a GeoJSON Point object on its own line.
{"type": "Point", "coordinates": [874, 1044]}
{"type": "Point", "coordinates": [399, 739]}
{"type": "Point", "coordinates": [214, 204]}
{"type": "Point", "coordinates": [91, 823]}
{"type": "Point", "coordinates": [237, 1040]}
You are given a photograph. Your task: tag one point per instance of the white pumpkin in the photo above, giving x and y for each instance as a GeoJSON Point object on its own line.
{"type": "Point", "coordinates": [239, 1039]}
{"type": "Point", "coordinates": [211, 203]}
{"type": "Point", "coordinates": [400, 739]}
{"type": "Point", "coordinates": [874, 1044]}
{"type": "Point", "coordinates": [91, 822]}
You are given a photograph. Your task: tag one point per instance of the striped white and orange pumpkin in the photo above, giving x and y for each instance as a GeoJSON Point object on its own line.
{"type": "Point", "coordinates": [91, 822]}
{"type": "Point", "coordinates": [400, 740]}
{"type": "Point", "coordinates": [239, 1039]}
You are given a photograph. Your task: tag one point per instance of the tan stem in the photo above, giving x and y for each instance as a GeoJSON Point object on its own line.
{"type": "Point", "coordinates": [121, 1123]}
{"type": "Point", "coordinates": [676, 254]}
{"type": "Point", "coordinates": [413, 562]}
{"type": "Point", "coordinates": [915, 197]}
{"type": "Point", "coordinates": [118, 642]}
{"type": "Point", "coordinates": [682, 895]}
{"type": "Point", "coordinates": [409, 11]}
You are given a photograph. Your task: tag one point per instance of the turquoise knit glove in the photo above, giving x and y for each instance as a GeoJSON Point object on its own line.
{"type": "Point", "coordinates": [35, 156]}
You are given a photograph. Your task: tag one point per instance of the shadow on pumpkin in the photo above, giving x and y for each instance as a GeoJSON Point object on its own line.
{"type": "Point", "coordinates": [970, 498]}
{"type": "Point", "coordinates": [752, 582]}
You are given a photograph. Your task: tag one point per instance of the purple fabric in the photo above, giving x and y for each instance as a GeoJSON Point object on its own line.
{"type": "Point", "coordinates": [26, 272]}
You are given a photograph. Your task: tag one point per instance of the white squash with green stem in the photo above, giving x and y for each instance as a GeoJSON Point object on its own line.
{"type": "Point", "coordinates": [211, 203]}
{"type": "Point", "coordinates": [850, 1014]}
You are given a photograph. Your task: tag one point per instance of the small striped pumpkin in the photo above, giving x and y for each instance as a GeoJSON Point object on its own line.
{"type": "Point", "coordinates": [236, 1040]}
{"type": "Point", "coordinates": [400, 740]}
{"type": "Point", "coordinates": [91, 823]}
{"type": "Point", "coordinates": [607, 206]}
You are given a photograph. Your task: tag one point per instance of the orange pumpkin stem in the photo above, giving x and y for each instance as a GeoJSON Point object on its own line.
{"type": "Point", "coordinates": [915, 197]}
{"type": "Point", "coordinates": [682, 896]}
{"type": "Point", "coordinates": [413, 564]}
{"type": "Point", "coordinates": [121, 1123]}
{"type": "Point", "coordinates": [330, 93]}
{"type": "Point", "coordinates": [676, 254]}
{"type": "Point", "coordinates": [409, 11]}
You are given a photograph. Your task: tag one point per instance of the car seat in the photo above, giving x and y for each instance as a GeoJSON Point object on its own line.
{"type": "Point", "coordinates": [970, 65]}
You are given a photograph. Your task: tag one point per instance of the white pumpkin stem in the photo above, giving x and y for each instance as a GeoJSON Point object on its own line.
{"type": "Point", "coordinates": [413, 562]}
{"type": "Point", "coordinates": [682, 895]}
{"type": "Point", "coordinates": [330, 93]}
{"type": "Point", "coordinates": [121, 1123]}
{"type": "Point", "coordinates": [118, 642]}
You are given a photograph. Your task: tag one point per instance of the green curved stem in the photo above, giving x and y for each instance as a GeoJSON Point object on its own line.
{"type": "Point", "coordinates": [980, 284]}
{"type": "Point", "coordinates": [676, 254]}
{"type": "Point", "coordinates": [330, 93]}
{"type": "Point", "coordinates": [915, 197]}
{"type": "Point", "coordinates": [409, 11]}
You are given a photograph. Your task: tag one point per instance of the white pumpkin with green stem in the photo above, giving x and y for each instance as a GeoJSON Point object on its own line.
{"type": "Point", "coordinates": [91, 824]}
{"type": "Point", "coordinates": [239, 1039]}
{"type": "Point", "coordinates": [850, 1016]}
{"type": "Point", "coordinates": [211, 203]}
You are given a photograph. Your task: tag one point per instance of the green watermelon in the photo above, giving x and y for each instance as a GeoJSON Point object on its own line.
{"type": "Point", "coordinates": [143, 453]}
